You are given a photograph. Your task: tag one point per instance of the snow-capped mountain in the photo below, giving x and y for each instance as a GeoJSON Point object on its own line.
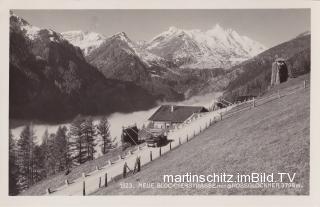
{"type": "Point", "coordinates": [121, 58]}
{"type": "Point", "coordinates": [217, 47]}
{"type": "Point", "coordinates": [87, 41]}
{"type": "Point", "coordinates": [51, 80]}
{"type": "Point", "coordinates": [119, 53]}
{"type": "Point", "coordinates": [33, 32]}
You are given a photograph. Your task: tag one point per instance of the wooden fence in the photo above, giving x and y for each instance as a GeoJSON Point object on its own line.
{"type": "Point", "coordinates": [188, 132]}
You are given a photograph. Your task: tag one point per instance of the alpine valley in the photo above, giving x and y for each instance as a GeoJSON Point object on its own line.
{"type": "Point", "coordinates": [55, 76]}
{"type": "Point", "coordinates": [174, 64]}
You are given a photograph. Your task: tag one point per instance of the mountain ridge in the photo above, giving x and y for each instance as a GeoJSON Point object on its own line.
{"type": "Point", "coordinates": [51, 80]}
{"type": "Point", "coordinates": [192, 48]}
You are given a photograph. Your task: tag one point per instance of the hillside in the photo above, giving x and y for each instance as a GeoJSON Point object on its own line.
{"type": "Point", "coordinates": [253, 76]}
{"type": "Point", "coordinates": [172, 64]}
{"type": "Point", "coordinates": [50, 79]}
{"type": "Point", "coordinates": [273, 137]}
{"type": "Point", "coordinates": [58, 180]}
{"type": "Point", "coordinates": [118, 57]}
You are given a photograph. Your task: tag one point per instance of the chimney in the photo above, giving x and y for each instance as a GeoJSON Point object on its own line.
{"type": "Point", "coordinates": [172, 108]}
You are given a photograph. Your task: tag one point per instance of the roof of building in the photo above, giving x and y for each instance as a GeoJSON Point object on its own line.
{"type": "Point", "coordinates": [178, 115]}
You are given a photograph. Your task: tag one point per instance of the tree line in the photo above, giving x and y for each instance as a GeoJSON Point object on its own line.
{"type": "Point", "coordinates": [60, 151]}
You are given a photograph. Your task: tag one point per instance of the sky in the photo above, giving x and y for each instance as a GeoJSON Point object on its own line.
{"type": "Point", "coordinates": [267, 26]}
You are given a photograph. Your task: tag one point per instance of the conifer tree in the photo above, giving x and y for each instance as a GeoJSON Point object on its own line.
{"type": "Point", "coordinates": [61, 146]}
{"type": "Point", "coordinates": [89, 135]}
{"type": "Point", "coordinates": [48, 149]}
{"type": "Point", "coordinates": [78, 145]}
{"type": "Point", "coordinates": [26, 147]}
{"type": "Point", "coordinates": [39, 171]}
{"type": "Point", "coordinates": [103, 130]}
{"type": "Point", "coordinates": [13, 167]}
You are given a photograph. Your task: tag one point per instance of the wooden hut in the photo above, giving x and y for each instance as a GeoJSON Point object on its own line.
{"type": "Point", "coordinates": [168, 116]}
{"type": "Point", "coordinates": [130, 135]}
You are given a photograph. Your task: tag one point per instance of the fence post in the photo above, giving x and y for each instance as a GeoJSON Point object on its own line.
{"type": "Point", "coordinates": [48, 191]}
{"type": "Point", "coordinates": [139, 164]}
{"type": "Point", "coordinates": [194, 133]}
{"type": "Point", "coordinates": [124, 173]}
{"type": "Point", "coordinates": [83, 175]}
{"type": "Point", "coordinates": [200, 130]}
{"type": "Point", "coordinates": [106, 180]}
{"type": "Point", "coordinates": [253, 103]}
{"type": "Point", "coordinates": [279, 94]}
{"type": "Point", "coordinates": [99, 182]}
{"type": "Point", "coordinates": [120, 158]}
{"type": "Point", "coordinates": [160, 152]}
{"type": "Point", "coordinates": [170, 145]}
{"type": "Point", "coordinates": [109, 162]}
{"type": "Point", "coordinates": [304, 84]}
{"type": "Point", "coordinates": [84, 188]}
{"type": "Point", "coordinates": [66, 182]}
{"type": "Point", "coordinates": [97, 168]}
{"type": "Point", "coordinates": [150, 156]}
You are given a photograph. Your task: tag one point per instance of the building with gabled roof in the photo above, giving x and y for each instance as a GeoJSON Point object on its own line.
{"type": "Point", "coordinates": [170, 115]}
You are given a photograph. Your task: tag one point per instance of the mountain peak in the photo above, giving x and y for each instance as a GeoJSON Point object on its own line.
{"type": "Point", "coordinates": [31, 31]}
{"type": "Point", "coordinates": [120, 34]}
{"type": "Point", "coordinates": [87, 41]}
{"type": "Point", "coordinates": [217, 29]}
{"type": "Point", "coordinates": [194, 48]}
{"type": "Point", "coordinates": [217, 26]}
{"type": "Point", "coordinates": [173, 29]}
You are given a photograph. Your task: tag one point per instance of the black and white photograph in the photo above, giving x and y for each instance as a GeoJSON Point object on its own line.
{"type": "Point", "coordinates": [159, 102]}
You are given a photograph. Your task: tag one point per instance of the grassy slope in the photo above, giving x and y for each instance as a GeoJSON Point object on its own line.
{"type": "Point", "coordinates": [273, 137]}
{"type": "Point", "coordinates": [58, 179]}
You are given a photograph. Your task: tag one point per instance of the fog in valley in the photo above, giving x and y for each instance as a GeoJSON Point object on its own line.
{"type": "Point", "coordinates": [118, 120]}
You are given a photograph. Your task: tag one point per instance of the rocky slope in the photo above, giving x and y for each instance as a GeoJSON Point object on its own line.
{"type": "Point", "coordinates": [96, 75]}
{"type": "Point", "coordinates": [215, 48]}
{"type": "Point", "coordinates": [120, 58]}
{"type": "Point", "coordinates": [167, 64]}
{"type": "Point", "coordinates": [87, 41]}
{"type": "Point", "coordinates": [50, 79]}
{"type": "Point", "coordinates": [253, 76]}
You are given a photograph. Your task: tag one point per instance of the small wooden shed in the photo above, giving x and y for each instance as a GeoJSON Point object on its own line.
{"type": "Point", "coordinates": [130, 135]}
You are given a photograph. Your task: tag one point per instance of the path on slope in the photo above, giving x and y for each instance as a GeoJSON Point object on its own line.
{"type": "Point", "coordinates": [273, 137]}
{"type": "Point", "coordinates": [116, 169]}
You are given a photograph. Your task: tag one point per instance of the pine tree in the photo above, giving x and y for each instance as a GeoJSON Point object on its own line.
{"type": "Point", "coordinates": [103, 130]}
{"type": "Point", "coordinates": [38, 164]}
{"type": "Point", "coordinates": [89, 135]}
{"type": "Point", "coordinates": [78, 145]}
{"type": "Point", "coordinates": [26, 146]}
{"type": "Point", "coordinates": [13, 167]}
{"type": "Point", "coordinates": [48, 150]}
{"type": "Point", "coordinates": [61, 145]}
